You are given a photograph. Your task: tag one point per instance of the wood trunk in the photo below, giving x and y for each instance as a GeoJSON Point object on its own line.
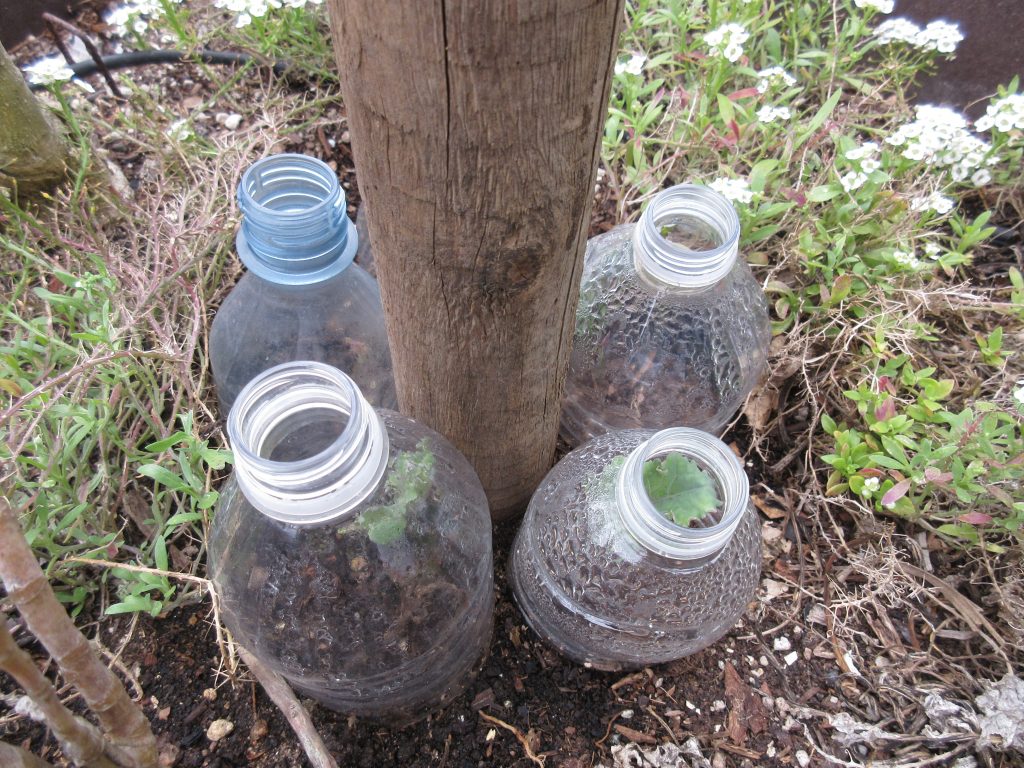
{"type": "Point", "coordinates": [476, 128]}
{"type": "Point", "coordinates": [33, 151]}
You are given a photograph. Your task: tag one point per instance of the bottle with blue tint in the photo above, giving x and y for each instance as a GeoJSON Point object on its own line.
{"type": "Point", "coordinates": [302, 297]}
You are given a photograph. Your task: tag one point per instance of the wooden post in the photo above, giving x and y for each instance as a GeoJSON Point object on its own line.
{"type": "Point", "coordinates": [33, 151]}
{"type": "Point", "coordinates": [476, 127]}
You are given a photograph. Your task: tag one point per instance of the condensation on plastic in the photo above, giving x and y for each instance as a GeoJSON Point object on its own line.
{"type": "Point", "coordinates": [589, 586]}
{"type": "Point", "coordinates": [648, 353]}
{"type": "Point", "coordinates": [389, 630]}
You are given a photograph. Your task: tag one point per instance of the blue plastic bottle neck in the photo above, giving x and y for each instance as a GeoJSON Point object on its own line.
{"type": "Point", "coordinates": [294, 227]}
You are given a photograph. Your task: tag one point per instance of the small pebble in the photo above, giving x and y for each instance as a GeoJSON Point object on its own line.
{"type": "Point", "coordinates": [218, 729]}
{"type": "Point", "coordinates": [763, 661]}
{"type": "Point", "coordinates": [782, 643]}
{"type": "Point", "coordinates": [802, 758]}
{"type": "Point", "coordinates": [790, 658]}
{"type": "Point", "coordinates": [717, 705]}
{"type": "Point", "coordinates": [210, 694]}
{"type": "Point", "coordinates": [627, 714]}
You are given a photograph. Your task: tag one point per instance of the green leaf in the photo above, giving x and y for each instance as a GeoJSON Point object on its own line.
{"type": "Point", "coordinates": [679, 489]}
{"type": "Point", "coordinates": [384, 525]}
{"type": "Point", "coordinates": [164, 476]}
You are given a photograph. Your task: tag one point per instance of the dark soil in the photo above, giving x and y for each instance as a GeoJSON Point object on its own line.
{"type": "Point", "coordinates": [568, 713]}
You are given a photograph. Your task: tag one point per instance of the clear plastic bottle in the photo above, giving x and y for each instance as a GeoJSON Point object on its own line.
{"type": "Point", "coordinates": [611, 582]}
{"type": "Point", "coordinates": [302, 298]}
{"type": "Point", "coordinates": [351, 548]}
{"type": "Point", "coordinates": [671, 328]}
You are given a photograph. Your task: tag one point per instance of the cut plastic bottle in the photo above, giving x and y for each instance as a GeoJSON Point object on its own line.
{"type": "Point", "coordinates": [302, 297]}
{"type": "Point", "coordinates": [351, 548]}
{"type": "Point", "coordinates": [671, 327]}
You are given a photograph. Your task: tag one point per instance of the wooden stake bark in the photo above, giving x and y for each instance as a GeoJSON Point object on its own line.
{"type": "Point", "coordinates": [33, 152]}
{"type": "Point", "coordinates": [78, 738]}
{"type": "Point", "coordinates": [16, 757]}
{"type": "Point", "coordinates": [132, 743]}
{"type": "Point", "coordinates": [476, 128]}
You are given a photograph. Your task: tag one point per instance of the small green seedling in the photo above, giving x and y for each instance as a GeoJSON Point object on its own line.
{"type": "Point", "coordinates": [408, 481]}
{"type": "Point", "coordinates": [679, 489]}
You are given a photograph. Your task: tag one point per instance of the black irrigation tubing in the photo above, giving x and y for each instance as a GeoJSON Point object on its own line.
{"type": "Point", "coordinates": [155, 56]}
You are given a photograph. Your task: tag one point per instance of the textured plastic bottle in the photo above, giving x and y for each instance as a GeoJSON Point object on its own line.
{"type": "Point", "coordinates": [351, 548]}
{"type": "Point", "coordinates": [302, 297]}
{"type": "Point", "coordinates": [671, 328]}
{"type": "Point", "coordinates": [605, 578]}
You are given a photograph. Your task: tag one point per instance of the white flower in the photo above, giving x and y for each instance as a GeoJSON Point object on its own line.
{"type": "Point", "coordinates": [882, 6]}
{"type": "Point", "coordinates": [1018, 393]}
{"type": "Point", "coordinates": [773, 76]}
{"type": "Point", "coordinates": [932, 250]}
{"type": "Point", "coordinates": [1003, 115]}
{"type": "Point", "coordinates": [52, 69]}
{"type": "Point", "coordinates": [247, 10]}
{"type": "Point", "coordinates": [867, 149]}
{"type": "Point", "coordinates": [939, 36]}
{"type": "Point", "coordinates": [727, 40]}
{"type": "Point", "coordinates": [633, 66]}
{"type": "Point", "coordinates": [737, 190]}
{"type": "Point", "coordinates": [869, 164]}
{"type": "Point", "coordinates": [906, 259]}
{"type": "Point", "coordinates": [981, 177]}
{"type": "Point", "coordinates": [898, 30]}
{"type": "Point", "coordinates": [852, 180]}
{"type": "Point", "coordinates": [871, 485]}
{"type": "Point", "coordinates": [939, 137]}
{"type": "Point", "coordinates": [133, 16]}
{"type": "Point", "coordinates": [933, 202]}
{"type": "Point", "coordinates": [768, 113]}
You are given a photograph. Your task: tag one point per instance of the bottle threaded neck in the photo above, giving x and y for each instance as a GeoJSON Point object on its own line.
{"type": "Point", "coordinates": [688, 237]}
{"type": "Point", "coordinates": [308, 447]}
{"type": "Point", "coordinates": [655, 532]}
{"type": "Point", "coordinates": [294, 229]}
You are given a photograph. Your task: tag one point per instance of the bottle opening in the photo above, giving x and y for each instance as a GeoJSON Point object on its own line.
{"type": "Point", "coordinates": [689, 232]}
{"type": "Point", "coordinates": [308, 447]}
{"type": "Point", "coordinates": [684, 490]}
{"type": "Point", "coordinates": [687, 511]}
{"type": "Point", "coordinates": [687, 237]}
{"type": "Point", "coordinates": [294, 229]}
{"type": "Point", "coordinates": [304, 434]}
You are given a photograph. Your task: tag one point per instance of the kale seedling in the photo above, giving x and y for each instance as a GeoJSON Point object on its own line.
{"type": "Point", "coordinates": [408, 481]}
{"type": "Point", "coordinates": [679, 489]}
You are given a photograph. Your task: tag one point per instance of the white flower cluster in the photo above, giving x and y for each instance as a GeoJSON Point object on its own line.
{"type": "Point", "coordinates": [939, 137]}
{"type": "Point", "coordinates": [634, 65]}
{"type": "Point", "coordinates": [769, 114]}
{"type": "Point", "coordinates": [1018, 393]}
{"type": "Point", "coordinates": [766, 78]}
{"type": "Point", "coordinates": [865, 161]}
{"type": "Point", "coordinates": [52, 69]}
{"type": "Point", "coordinates": [133, 17]}
{"type": "Point", "coordinates": [933, 202]}
{"type": "Point", "coordinates": [906, 259]}
{"type": "Point", "coordinates": [882, 6]}
{"type": "Point", "coordinates": [247, 10]}
{"type": "Point", "coordinates": [737, 190]}
{"type": "Point", "coordinates": [1004, 114]}
{"type": "Point", "coordinates": [938, 36]}
{"type": "Point", "coordinates": [727, 40]}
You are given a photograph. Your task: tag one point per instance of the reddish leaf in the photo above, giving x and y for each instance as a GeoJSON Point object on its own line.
{"type": "Point", "coordinates": [975, 518]}
{"type": "Point", "coordinates": [932, 475]}
{"type": "Point", "coordinates": [886, 410]}
{"type": "Point", "coordinates": [871, 472]}
{"type": "Point", "coordinates": [742, 93]}
{"type": "Point", "coordinates": [896, 493]}
{"type": "Point", "coordinates": [795, 195]}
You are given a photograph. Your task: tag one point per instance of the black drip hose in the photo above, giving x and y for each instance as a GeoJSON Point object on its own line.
{"type": "Point", "coordinates": [156, 56]}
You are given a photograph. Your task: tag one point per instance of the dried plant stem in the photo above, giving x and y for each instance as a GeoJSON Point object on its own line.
{"type": "Point", "coordinates": [79, 739]}
{"type": "Point", "coordinates": [16, 757]}
{"type": "Point", "coordinates": [296, 715]}
{"type": "Point", "coordinates": [132, 743]}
